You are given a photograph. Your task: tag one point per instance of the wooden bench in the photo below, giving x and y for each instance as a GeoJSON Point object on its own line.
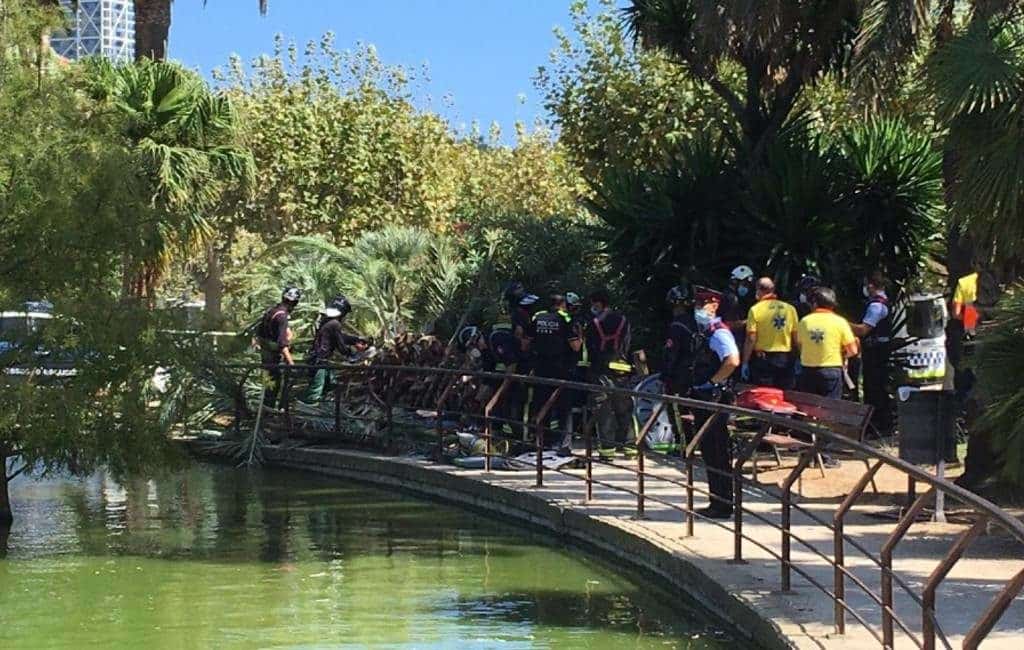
{"type": "Point", "coordinates": [848, 419]}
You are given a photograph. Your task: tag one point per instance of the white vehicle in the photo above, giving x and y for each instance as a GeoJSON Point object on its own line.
{"type": "Point", "coordinates": [18, 327]}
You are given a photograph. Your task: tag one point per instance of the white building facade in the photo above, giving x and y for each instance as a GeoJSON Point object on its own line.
{"type": "Point", "coordinates": [97, 28]}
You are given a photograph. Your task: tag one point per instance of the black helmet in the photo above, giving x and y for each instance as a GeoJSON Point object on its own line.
{"type": "Point", "coordinates": [291, 295]}
{"type": "Point", "coordinates": [342, 304]}
{"type": "Point", "coordinates": [513, 291]}
{"type": "Point", "coordinates": [678, 294]}
{"type": "Point", "coordinates": [807, 282]}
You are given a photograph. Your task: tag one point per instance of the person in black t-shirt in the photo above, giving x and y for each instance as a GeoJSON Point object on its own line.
{"type": "Point", "coordinates": [554, 343]}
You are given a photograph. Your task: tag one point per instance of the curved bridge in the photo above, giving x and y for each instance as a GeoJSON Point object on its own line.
{"type": "Point", "coordinates": [849, 554]}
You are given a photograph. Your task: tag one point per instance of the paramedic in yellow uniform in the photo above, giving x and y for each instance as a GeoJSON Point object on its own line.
{"type": "Point", "coordinates": [771, 330]}
{"type": "Point", "coordinates": [826, 342]}
{"type": "Point", "coordinates": [964, 297]}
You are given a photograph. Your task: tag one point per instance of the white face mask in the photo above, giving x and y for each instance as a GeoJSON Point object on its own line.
{"type": "Point", "coordinates": [595, 311]}
{"type": "Point", "coordinates": [474, 353]}
{"type": "Point", "coordinates": [702, 317]}
{"type": "Point", "coordinates": [803, 298]}
{"type": "Point", "coordinates": [743, 290]}
{"type": "Point", "coordinates": [867, 294]}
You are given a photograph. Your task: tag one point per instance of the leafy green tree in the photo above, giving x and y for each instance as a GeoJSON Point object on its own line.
{"type": "Point", "coordinates": [778, 47]}
{"type": "Point", "coordinates": [71, 207]}
{"type": "Point", "coordinates": [183, 136]}
{"type": "Point", "coordinates": [341, 149]}
{"type": "Point", "coordinates": [616, 105]}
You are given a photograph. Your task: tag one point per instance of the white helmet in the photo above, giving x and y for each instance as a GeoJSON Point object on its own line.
{"type": "Point", "coordinates": [528, 300]}
{"type": "Point", "coordinates": [742, 273]}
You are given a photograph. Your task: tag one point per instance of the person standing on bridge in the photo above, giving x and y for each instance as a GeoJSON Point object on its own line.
{"type": "Point", "coordinates": [330, 339]}
{"type": "Point", "coordinates": [715, 360]}
{"type": "Point", "coordinates": [771, 330]}
{"type": "Point", "coordinates": [554, 343]}
{"type": "Point", "coordinates": [274, 339]}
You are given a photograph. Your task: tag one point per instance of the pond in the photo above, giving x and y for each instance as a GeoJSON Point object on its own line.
{"type": "Point", "coordinates": [215, 557]}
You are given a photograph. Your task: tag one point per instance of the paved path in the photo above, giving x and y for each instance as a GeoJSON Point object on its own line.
{"type": "Point", "coordinates": [805, 615]}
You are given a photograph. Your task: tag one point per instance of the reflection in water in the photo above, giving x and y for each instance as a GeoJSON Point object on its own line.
{"type": "Point", "coordinates": [215, 557]}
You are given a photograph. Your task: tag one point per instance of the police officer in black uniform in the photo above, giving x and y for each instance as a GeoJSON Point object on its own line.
{"type": "Point", "coordinates": [274, 341]}
{"type": "Point", "coordinates": [875, 332]}
{"type": "Point", "coordinates": [681, 343]}
{"type": "Point", "coordinates": [554, 343]}
{"type": "Point", "coordinates": [715, 360]}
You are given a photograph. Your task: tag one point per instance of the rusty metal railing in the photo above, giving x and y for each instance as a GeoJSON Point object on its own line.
{"type": "Point", "coordinates": [446, 396]}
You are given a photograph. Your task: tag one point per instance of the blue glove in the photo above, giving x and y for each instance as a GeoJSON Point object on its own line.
{"type": "Point", "coordinates": [745, 372]}
{"type": "Point", "coordinates": [797, 367]}
{"type": "Point", "coordinates": [706, 387]}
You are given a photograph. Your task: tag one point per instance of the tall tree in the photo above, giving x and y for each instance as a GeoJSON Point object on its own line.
{"type": "Point", "coordinates": [184, 137]}
{"type": "Point", "coordinates": [781, 46]}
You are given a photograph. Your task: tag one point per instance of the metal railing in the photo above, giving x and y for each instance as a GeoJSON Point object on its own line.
{"type": "Point", "coordinates": [448, 393]}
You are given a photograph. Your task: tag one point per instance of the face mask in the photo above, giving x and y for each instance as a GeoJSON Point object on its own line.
{"type": "Point", "coordinates": [867, 294]}
{"type": "Point", "coordinates": [595, 311]}
{"type": "Point", "coordinates": [702, 317]}
{"type": "Point", "coordinates": [803, 298]}
{"type": "Point", "coordinates": [743, 290]}
{"type": "Point", "coordinates": [474, 354]}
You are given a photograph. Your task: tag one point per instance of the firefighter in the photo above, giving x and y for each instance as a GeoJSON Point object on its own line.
{"type": "Point", "coordinates": [274, 339]}
{"type": "Point", "coordinates": [330, 339]}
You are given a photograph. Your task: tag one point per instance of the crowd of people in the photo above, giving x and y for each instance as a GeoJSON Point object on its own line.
{"type": "Point", "coordinates": [714, 339]}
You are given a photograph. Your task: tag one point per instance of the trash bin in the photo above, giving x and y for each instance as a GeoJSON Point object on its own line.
{"type": "Point", "coordinates": [927, 426]}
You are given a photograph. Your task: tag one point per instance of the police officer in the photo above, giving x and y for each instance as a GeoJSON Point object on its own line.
{"type": "Point", "coordinates": [715, 360]}
{"type": "Point", "coordinates": [804, 290]}
{"type": "Point", "coordinates": [330, 339]}
{"type": "Point", "coordinates": [554, 343]}
{"type": "Point", "coordinates": [581, 365]}
{"type": "Point", "coordinates": [875, 333]}
{"type": "Point", "coordinates": [273, 337]}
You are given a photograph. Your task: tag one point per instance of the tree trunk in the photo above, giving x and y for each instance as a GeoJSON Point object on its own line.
{"type": "Point", "coordinates": [6, 515]}
{"type": "Point", "coordinates": [152, 24]}
{"type": "Point", "coordinates": [213, 286]}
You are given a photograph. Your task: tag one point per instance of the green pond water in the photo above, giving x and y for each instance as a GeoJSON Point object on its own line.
{"type": "Point", "coordinates": [222, 558]}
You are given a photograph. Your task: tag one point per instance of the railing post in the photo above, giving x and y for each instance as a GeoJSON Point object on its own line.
{"type": "Point", "coordinates": [737, 494]}
{"type": "Point", "coordinates": [542, 416]}
{"type": "Point", "coordinates": [939, 574]}
{"type": "Point", "coordinates": [787, 505]}
{"type": "Point", "coordinates": [488, 423]}
{"type": "Point", "coordinates": [839, 545]}
{"type": "Point", "coordinates": [993, 612]}
{"type": "Point", "coordinates": [641, 442]}
{"type": "Point", "coordinates": [286, 397]}
{"type": "Point", "coordinates": [588, 452]}
{"type": "Point", "coordinates": [439, 409]}
{"type": "Point", "coordinates": [689, 496]}
{"type": "Point", "coordinates": [885, 561]}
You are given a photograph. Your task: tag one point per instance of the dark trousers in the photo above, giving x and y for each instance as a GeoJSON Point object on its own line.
{"type": "Point", "coordinates": [717, 453]}
{"type": "Point", "coordinates": [875, 372]}
{"type": "Point", "coordinates": [827, 382]}
{"type": "Point", "coordinates": [272, 366]}
{"type": "Point", "coordinates": [773, 369]}
{"type": "Point", "coordinates": [559, 413]}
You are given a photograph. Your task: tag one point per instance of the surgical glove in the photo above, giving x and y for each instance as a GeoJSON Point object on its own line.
{"type": "Point", "coordinates": [745, 372]}
{"type": "Point", "coordinates": [706, 387]}
{"type": "Point", "coordinates": [797, 367]}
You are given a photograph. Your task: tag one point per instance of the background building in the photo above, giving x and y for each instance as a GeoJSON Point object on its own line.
{"type": "Point", "coordinates": [98, 27]}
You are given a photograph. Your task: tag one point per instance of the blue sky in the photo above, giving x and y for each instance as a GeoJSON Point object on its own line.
{"type": "Point", "coordinates": [484, 53]}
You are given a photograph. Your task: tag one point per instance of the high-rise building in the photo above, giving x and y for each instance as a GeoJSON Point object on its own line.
{"type": "Point", "coordinates": [97, 27]}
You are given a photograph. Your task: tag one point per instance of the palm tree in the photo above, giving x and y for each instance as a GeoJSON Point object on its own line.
{"type": "Point", "coordinates": [183, 135]}
{"type": "Point", "coordinates": [152, 25]}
